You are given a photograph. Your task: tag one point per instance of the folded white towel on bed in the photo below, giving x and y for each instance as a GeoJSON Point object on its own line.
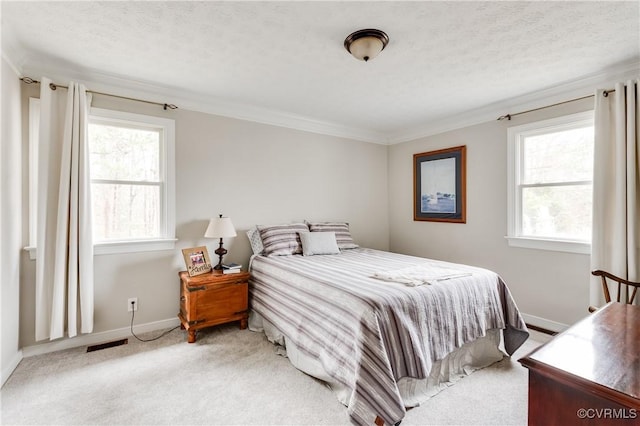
{"type": "Point", "coordinates": [420, 275]}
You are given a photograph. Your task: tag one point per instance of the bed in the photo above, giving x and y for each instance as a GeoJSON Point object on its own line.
{"type": "Point", "coordinates": [363, 321]}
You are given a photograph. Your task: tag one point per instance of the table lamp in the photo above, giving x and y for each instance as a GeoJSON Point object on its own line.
{"type": "Point", "coordinates": [220, 227]}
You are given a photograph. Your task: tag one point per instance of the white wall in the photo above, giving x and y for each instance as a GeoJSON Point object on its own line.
{"type": "Point", "coordinates": [253, 173]}
{"type": "Point", "coordinates": [10, 219]}
{"type": "Point", "coordinates": [545, 284]}
{"type": "Point", "coordinates": [261, 174]}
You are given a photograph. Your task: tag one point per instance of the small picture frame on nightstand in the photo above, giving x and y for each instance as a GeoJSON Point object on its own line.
{"type": "Point", "coordinates": [197, 260]}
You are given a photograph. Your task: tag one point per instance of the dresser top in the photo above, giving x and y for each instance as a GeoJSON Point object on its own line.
{"type": "Point", "coordinates": [603, 348]}
{"type": "Point", "coordinates": [213, 277]}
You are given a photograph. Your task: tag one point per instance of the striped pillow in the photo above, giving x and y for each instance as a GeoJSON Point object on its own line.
{"type": "Point", "coordinates": [282, 240]}
{"type": "Point", "coordinates": [341, 229]}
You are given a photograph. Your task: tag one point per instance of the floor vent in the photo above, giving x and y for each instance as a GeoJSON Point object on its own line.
{"type": "Point", "coordinates": [107, 345]}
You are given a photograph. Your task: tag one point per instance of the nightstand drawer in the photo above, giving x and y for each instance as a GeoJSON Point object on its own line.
{"type": "Point", "coordinates": [217, 302]}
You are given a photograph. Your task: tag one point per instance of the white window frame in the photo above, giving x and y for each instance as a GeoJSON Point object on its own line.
{"type": "Point", "coordinates": [515, 136]}
{"type": "Point", "coordinates": [167, 192]}
{"type": "Point", "coordinates": [167, 189]}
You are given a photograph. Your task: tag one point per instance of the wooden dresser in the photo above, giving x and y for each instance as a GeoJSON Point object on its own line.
{"type": "Point", "coordinates": [589, 374]}
{"type": "Point", "coordinates": [211, 299]}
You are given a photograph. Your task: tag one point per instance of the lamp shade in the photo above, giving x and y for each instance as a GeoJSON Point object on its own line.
{"type": "Point", "coordinates": [220, 227]}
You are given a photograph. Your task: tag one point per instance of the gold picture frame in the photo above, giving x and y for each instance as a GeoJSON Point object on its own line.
{"type": "Point", "coordinates": [197, 260]}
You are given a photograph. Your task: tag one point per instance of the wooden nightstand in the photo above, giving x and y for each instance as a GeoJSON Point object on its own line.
{"type": "Point", "coordinates": [211, 299]}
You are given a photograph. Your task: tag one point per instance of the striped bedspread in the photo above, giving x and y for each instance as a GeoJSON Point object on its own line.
{"type": "Point", "coordinates": [368, 333]}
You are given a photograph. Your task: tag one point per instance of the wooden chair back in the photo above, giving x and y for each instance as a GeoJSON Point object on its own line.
{"type": "Point", "coordinates": [625, 290]}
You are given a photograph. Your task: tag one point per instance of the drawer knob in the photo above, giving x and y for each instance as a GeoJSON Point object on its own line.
{"type": "Point", "coordinates": [182, 299]}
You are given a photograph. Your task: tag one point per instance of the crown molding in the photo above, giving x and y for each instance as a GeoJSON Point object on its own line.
{"type": "Point", "coordinates": [108, 83]}
{"type": "Point", "coordinates": [11, 64]}
{"type": "Point", "coordinates": [11, 52]}
{"type": "Point", "coordinates": [30, 65]}
{"type": "Point", "coordinates": [558, 93]}
{"type": "Point", "coordinates": [280, 118]}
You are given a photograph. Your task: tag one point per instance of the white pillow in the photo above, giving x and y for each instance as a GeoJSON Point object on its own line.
{"type": "Point", "coordinates": [318, 243]}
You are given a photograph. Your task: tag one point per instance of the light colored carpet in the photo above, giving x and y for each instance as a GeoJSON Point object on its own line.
{"type": "Point", "coordinates": [229, 376]}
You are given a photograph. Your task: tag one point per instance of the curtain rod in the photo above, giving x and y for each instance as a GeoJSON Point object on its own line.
{"type": "Point", "coordinates": [52, 86]}
{"type": "Point", "coordinates": [508, 116]}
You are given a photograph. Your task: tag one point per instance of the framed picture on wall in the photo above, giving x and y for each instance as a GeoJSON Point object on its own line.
{"type": "Point", "coordinates": [439, 185]}
{"type": "Point", "coordinates": [197, 260]}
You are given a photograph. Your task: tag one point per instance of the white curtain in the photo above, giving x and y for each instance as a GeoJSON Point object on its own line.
{"type": "Point", "coordinates": [64, 258]}
{"type": "Point", "coordinates": [615, 243]}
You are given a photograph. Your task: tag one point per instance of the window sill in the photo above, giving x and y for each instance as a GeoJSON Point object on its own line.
{"type": "Point", "coordinates": [551, 245]}
{"type": "Point", "coordinates": [134, 246]}
{"type": "Point", "coordinates": [124, 247]}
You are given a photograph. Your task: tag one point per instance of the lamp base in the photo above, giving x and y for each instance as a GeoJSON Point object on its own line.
{"type": "Point", "coordinates": [220, 251]}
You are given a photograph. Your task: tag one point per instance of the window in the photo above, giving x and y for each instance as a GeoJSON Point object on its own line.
{"type": "Point", "coordinates": [550, 184]}
{"type": "Point", "coordinates": [132, 180]}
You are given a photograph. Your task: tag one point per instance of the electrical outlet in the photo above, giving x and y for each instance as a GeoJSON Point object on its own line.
{"type": "Point", "coordinates": [132, 304]}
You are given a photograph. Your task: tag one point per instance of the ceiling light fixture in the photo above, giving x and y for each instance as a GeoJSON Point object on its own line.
{"type": "Point", "coordinates": [366, 44]}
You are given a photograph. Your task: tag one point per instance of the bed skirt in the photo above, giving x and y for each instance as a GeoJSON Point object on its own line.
{"type": "Point", "coordinates": [461, 362]}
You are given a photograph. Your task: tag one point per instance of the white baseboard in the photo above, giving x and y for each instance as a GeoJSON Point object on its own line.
{"type": "Point", "coordinates": [6, 371]}
{"type": "Point", "coordinates": [120, 333]}
{"type": "Point", "coordinates": [96, 338]}
{"type": "Point", "coordinates": [544, 323]}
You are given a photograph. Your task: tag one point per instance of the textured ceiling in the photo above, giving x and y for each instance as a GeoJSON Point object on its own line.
{"type": "Point", "coordinates": [444, 58]}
